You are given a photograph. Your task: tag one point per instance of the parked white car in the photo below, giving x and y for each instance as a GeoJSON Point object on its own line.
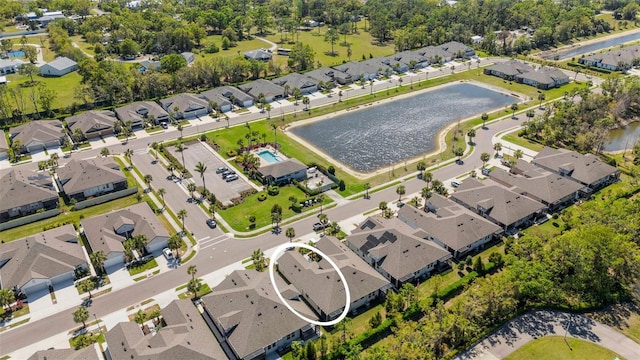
{"type": "Point", "coordinates": [167, 254]}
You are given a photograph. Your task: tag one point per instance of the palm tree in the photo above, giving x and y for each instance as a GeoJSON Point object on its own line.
{"type": "Point", "coordinates": [174, 243]}
{"type": "Point", "coordinates": [161, 193]}
{"type": "Point", "coordinates": [7, 297]}
{"type": "Point", "coordinates": [258, 259]}
{"type": "Point", "coordinates": [518, 154]}
{"type": "Point", "coordinates": [104, 152]}
{"type": "Point", "coordinates": [155, 147]}
{"type": "Point", "coordinates": [541, 98]}
{"type": "Point", "coordinates": [180, 149]}
{"type": "Point", "coordinates": [400, 190]}
{"type": "Point", "coordinates": [340, 96]}
{"type": "Point", "coordinates": [371, 85]}
{"type": "Point", "coordinates": [290, 233]}
{"type": "Point", "coordinates": [128, 154]}
{"type": "Point", "coordinates": [275, 133]}
{"type": "Point", "coordinates": [367, 186]}
{"type": "Point", "coordinates": [212, 210]}
{"type": "Point", "coordinates": [324, 220]}
{"type": "Point", "coordinates": [191, 187]}
{"type": "Point", "coordinates": [147, 180]}
{"type": "Point", "coordinates": [267, 108]}
{"type": "Point", "coordinates": [180, 128]}
{"type": "Point", "coordinates": [296, 94]}
{"type": "Point", "coordinates": [140, 317]}
{"type": "Point", "coordinates": [80, 316]}
{"type": "Point", "coordinates": [497, 147]}
{"type": "Point", "coordinates": [97, 260]}
{"type": "Point", "coordinates": [484, 157]}
{"type": "Point", "coordinates": [471, 134]}
{"type": "Point", "coordinates": [306, 101]}
{"type": "Point", "coordinates": [226, 117]}
{"type": "Point", "coordinates": [427, 177]}
{"type": "Point", "coordinates": [86, 285]}
{"type": "Point", "coordinates": [320, 198]}
{"type": "Point", "coordinates": [201, 168]}
{"type": "Point", "coordinates": [182, 214]}
{"type": "Point", "coordinates": [484, 117]}
{"type": "Point", "coordinates": [192, 270]}
{"type": "Point", "coordinates": [514, 107]}
{"type": "Point", "coordinates": [140, 241]}
{"type": "Point", "coordinates": [426, 195]}
{"type": "Point", "coordinates": [193, 286]}
{"type": "Point", "coordinates": [458, 151]}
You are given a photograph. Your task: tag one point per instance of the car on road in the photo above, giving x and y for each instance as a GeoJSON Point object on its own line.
{"type": "Point", "coordinates": [455, 183]}
{"type": "Point", "coordinates": [167, 253]}
{"type": "Point", "coordinates": [231, 178]}
{"type": "Point", "coordinates": [221, 169]}
{"type": "Point", "coordinates": [212, 223]}
{"type": "Point", "coordinates": [86, 303]}
{"type": "Point", "coordinates": [228, 173]}
{"type": "Point", "coordinates": [486, 171]}
{"type": "Point", "coordinates": [318, 226]}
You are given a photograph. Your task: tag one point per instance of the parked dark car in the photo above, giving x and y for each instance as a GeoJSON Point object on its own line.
{"type": "Point", "coordinates": [318, 226]}
{"type": "Point", "coordinates": [212, 223]}
{"type": "Point", "coordinates": [221, 169]}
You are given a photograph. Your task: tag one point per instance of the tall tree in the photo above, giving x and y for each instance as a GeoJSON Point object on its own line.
{"type": "Point", "coordinates": [201, 168]}
{"type": "Point", "coordinates": [400, 190]}
{"type": "Point", "coordinates": [182, 214]}
{"type": "Point", "coordinates": [97, 260]}
{"type": "Point", "coordinates": [80, 315]}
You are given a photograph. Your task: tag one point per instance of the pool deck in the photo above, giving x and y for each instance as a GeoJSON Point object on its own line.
{"type": "Point", "coordinates": [264, 162]}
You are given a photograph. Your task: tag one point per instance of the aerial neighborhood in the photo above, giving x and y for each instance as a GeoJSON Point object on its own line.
{"type": "Point", "coordinates": [268, 180]}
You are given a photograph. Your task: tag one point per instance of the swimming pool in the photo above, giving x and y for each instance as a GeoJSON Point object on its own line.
{"type": "Point", "coordinates": [18, 53]}
{"type": "Point", "coordinates": [269, 157]}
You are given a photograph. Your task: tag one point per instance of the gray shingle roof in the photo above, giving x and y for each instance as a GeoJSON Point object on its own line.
{"type": "Point", "coordinates": [91, 121]}
{"type": "Point", "coordinates": [282, 168]}
{"type": "Point", "coordinates": [186, 336]}
{"type": "Point", "coordinates": [80, 175]}
{"type": "Point", "coordinates": [226, 92]}
{"type": "Point", "coordinates": [43, 256]}
{"type": "Point", "coordinates": [357, 68]}
{"type": "Point", "coordinates": [505, 206]}
{"type": "Point", "coordinates": [613, 57]}
{"type": "Point", "coordinates": [511, 67]}
{"type": "Point", "coordinates": [262, 86]}
{"type": "Point", "coordinates": [19, 187]}
{"type": "Point", "coordinates": [138, 111]}
{"type": "Point", "coordinates": [586, 169]}
{"type": "Point", "coordinates": [545, 75]}
{"type": "Point", "coordinates": [448, 222]}
{"type": "Point", "coordinates": [320, 281]}
{"type": "Point", "coordinates": [61, 63]}
{"type": "Point", "coordinates": [100, 230]}
{"type": "Point", "coordinates": [541, 184]}
{"type": "Point", "coordinates": [295, 80]}
{"type": "Point", "coordinates": [39, 131]}
{"type": "Point", "coordinates": [88, 353]}
{"type": "Point", "coordinates": [185, 102]}
{"type": "Point", "coordinates": [258, 55]}
{"type": "Point", "coordinates": [394, 248]}
{"type": "Point", "coordinates": [253, 317]}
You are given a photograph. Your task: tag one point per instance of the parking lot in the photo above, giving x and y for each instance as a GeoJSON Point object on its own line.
{"type": "Point", "coordinates": [224, 191]}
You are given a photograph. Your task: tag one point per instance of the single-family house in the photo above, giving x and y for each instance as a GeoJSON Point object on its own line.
{"type": "Point", "coordinates": [93, 123]}
{"type": "Point", "coordinates": [553, 190]}
{"type": "Point", "coordinates": [321, 287]}
{"type": "Point", "coordinates": [411, 60]}
{"type": "Point", "coordinates": [81, 179]}
{"type": "Point", "coordinates": [189, 57]}
{"type": "Point", "coordinates": [9, 66]}
{"type": "Point", "coordinates": [366, 70]}
{"type": "Point", "coordinates": [544, 78]}
{"type": "Point", "coordinates": [245, 313]}
{"type": "Point", "coordinates": [389, 246]}
{"type": "Point", "coordinates": [614, 60]}
{"type": "Point", "coordinates": [24, 193]}
{"type": "Point", "coordinates": [394, 62]}
{"type": "Point", "coordinates": [259, 54]}
{"type": "Point", "coordinates": [4, 146]}
{"type": "Point", "coordinates": [107, 232]}
{"type": "Point", "coordinates": [49, 258]}
{"type": "Point", "coordinates": [87, 353]}
{"type": "Point", "coordinates": [305, 83]}
{"type": "Point", "coordinates": [58, 67]}
{"type": "Point", "coordinates": [185, 336]}
{"type": "Point", "coordinates": [330, 77]}
{"type": "Point", "coordinates": [435, 54]}
{"type": "Point", "coordinates": [477, 39]}
{"type": "Point", "coordinates": [186, 106]}
{"type": "Point", "coordinates": [585, 169]}
{"type": "Point", "coordinates": [141, 111]}
{"type": "Point", "coordinates": [449, 225]}
{"type": "Point", "coordinates": [508, 70]}
{"type": "Point", "coordinates": [226, 96]}
{"type": "Point", "coordinates": [494, 202]}
{"type": "Point", "coordinates": [38, 135]}
{"type": "Point", "coordinates": [457, 50]}
{"type": "Point", "coordinates": [264, 87]}
{"type": "Point", "coordinates": [283, 172]}
{"type": "Point", "coordinates": [149, 64]}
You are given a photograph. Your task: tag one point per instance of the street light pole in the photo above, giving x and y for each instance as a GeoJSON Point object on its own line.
{"type": "Point", "coordinates": [97, 323]}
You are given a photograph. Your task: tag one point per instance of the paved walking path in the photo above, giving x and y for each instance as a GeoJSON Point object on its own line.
{"type": "Point", "coordinates": [536, 324]}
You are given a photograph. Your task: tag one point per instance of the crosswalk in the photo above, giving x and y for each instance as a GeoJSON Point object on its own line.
{"type": "Point", "coordinates": [208, 241]}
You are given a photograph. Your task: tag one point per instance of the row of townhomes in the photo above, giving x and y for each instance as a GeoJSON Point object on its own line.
{"type": "Point", "coordinates": [26, 192]}
{"type": "Point", "coordinates": [614, 60]}
{"type": "Point", "coordinates": [243, 318]}
{"type": "Point", "coordinates": [542, 78]}
{"type": "Point", "coordinates": [46, 134]}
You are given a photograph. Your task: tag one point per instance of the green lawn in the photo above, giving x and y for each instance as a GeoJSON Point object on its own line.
{"type": "Point", "coordinates": [361, 44]}
{"type": "Point", "coordinates": [86, 47]}
{"type": "Point", "coordinates": [555, 347]}
{"type": "Point", "coordinates": [513, 137]}
{"type": "Point", "coordinates": [240, 49]}
{"type": "Point", "coordinates": [64, 87]}
{"type": "Point", "coordinates": [237, 216]}
{"type": "Point", "coordinates": [147, 266]}
{"type": "Point", "coordinates": [204, 290]}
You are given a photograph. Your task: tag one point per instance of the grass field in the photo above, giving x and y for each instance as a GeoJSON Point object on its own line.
{"type": "Point", "coordinates": [147, 266]}
{"type": "Point", "coordinates": [555, 347]}
{"type": "Point", "coordinates": [64, 87]}
{"type": "Point", "coordinates": [513, 137]}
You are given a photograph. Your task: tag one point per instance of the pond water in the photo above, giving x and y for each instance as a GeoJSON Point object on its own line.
{"type": "Point", "coordinates": [381, 135]}
{"type": "Point", "coordinates": [626, 136]}
{"type": "Point", "coordinates": [599, 45]}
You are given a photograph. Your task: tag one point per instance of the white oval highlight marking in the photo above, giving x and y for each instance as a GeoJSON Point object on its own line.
{"type": "Point", "coordinates": [278, 252]}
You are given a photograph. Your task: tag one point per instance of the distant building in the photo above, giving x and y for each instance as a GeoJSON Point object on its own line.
{"type": "Point", "coordinates": [107, 232]}
{"type": "Point", "coordinates": [283, 172]}
{"type": "Point", "coordinates": [260, 55]}
{"type": "Point", "coordinates": [185, 336]}
{"type": "Point", "coordinates": [543, 78]}
{"type": "Point", "coordinates": [614, 60]}
{"type": "Point", "coordinates": [49, 258]}
{"type": "Point", "coordinates": [58, 67]}
{"type": "Point", "coordinates": [189, 57]}
{"type": "Point", "coordinates": [9, 66]}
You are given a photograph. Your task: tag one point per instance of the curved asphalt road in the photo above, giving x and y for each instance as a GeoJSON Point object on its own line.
{"type": "Point", "coordinates": [536, 324]}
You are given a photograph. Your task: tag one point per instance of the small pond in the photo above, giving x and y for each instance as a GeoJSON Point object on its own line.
{"type": "Point", "coordinates": [378, 136]}
{"type": "Point", "coordinates": [587, 49]}
{"type": "Point", "coordinates": [626, 136]}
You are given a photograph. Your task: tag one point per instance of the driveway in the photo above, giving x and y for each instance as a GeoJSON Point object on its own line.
{"type": "Point", "coordinates": [537, 324]}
